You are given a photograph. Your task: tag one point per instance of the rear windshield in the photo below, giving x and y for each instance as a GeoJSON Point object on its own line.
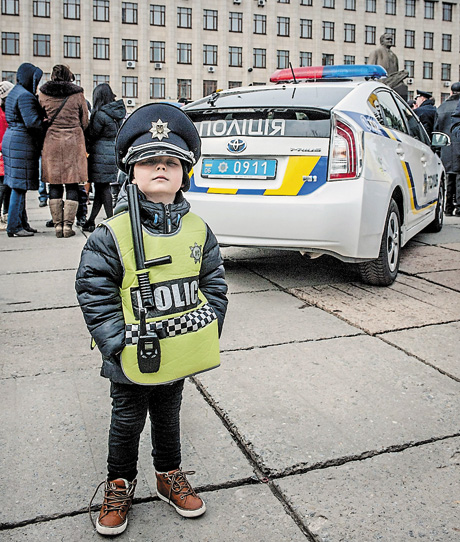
{"type": "Point", "coordinates": [262, 122]}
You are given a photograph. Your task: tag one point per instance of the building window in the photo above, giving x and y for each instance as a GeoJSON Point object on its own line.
{"type": "Point", "coordinates": [184, 17]}
{"type": "Point", "coordinates": [235, 22]}
{"type": "Point", "coordinates": [77, 79]}
{"type": "Point", "coordinates": [392, 33]}
{"type": "Point", "coordinates": [157, 87]}
{"type": "Point", "coordinates": [349, 59]}
{"type": "Point", "coordinates": [209, 19]}
{"type": "Point", "coordinates": [260, 24]}
{"type": "Point", "coordinates": [428, 70]}
{"type": "Point", "coordinates": [101, 10]}
{"type": "Point", "coordinates": [42, 45]}
{"type": "Point", "coordinates": [371, 6]}
{"type": "Point", "coordinates": [330, 4]}
{"type": "Point", "coordinates": [349, 32]}
{"type": "Point", "coordinates": [99, 79]}
{"type": "Point", "coordinates": [210, 55]}
{"type": "Point", "coordinates": [157, 15]}
{"type": "Point", "coordinates": [429, 10]}
{"type": "Point", "coordinates": [260, 58]}
{"type": "Point", "coordinates": [390, 7]}
{"type": "Point", "coordinates": [282, 59]}
{"type": "Point", "coordinates": [306, 28]}
{"type": "Point", "coordinates": [71, 9]}
{"type": "Point", "coordinates": [234, 84]}
{"type": "Point", "coordinates": [284, 1]}
{"type": "Point", "coordinates": [157, 51]}
{"type": "Point", "coordinates": [445, 72]}
{"type": "Point", "coordinates": [282, 26]}
{"type": "Point", "coordinates": [101, 48]}
{"type": "Point", "coordinates": [369, 35]}
{"type": "Point", "coordinates": [328, 31]}
{"type": "Point", "coordinates": [409, 66]}
{"type": "Point", "coordinates": [306, 58]}
{"type": "Point", "coordinates": [428, 40]}
{"type": "Point", "coordinates": [129, 87]}
{"type": "Point", "coordinates": [327, 60]}
{"type": "Point", "coordinates": [41, 8]}
{"type": "Point", "coordinates": [184, 53]}
{"type": "Point", "coordinates": [10, 7]}
{"type": "Point", "coordinates": [9, 76]}
{"type": "Point", "coordinates": [447, 42]}
{"type": "Point", "coordinates": [128, 13]}
{"type": "Point", "coordinates": [72, 46]}
{"type": "Point", "coordinates": [306, 2]}
{"type": "Point", "coordinates": [446, 11]}
{"type": "Point", "coordinates": [410, 8]}
{"type": "Point", "coordinates": [409, 39]}
{"type": "Point", "coordinates": [129, 50]}
{"type": "Point", "coordinates": [10, 43]}
{"type": "Point", "coordinates": [350, 5]}
{"type": "Point", "coordinates": [184, 89]}
{"type": "Point", "coordinates": [235, 56]}
{"type": "Point", "coordinates": [209, 87]}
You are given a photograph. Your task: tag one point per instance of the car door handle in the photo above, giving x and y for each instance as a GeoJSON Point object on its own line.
{"type": "Point", "coordinates": [400, 152]}
{"type": "Point", "coordinates": [423, 160]}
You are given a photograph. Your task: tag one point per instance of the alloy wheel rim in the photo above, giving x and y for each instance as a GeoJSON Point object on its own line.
{"type": "Point", "coordinates": [393, 241]}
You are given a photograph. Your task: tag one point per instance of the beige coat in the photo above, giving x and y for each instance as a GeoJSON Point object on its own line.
{"type": "Point", "coordinates": [64, 151]}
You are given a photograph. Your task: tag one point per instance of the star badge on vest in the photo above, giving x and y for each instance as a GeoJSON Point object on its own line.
{"type": "Point", "coordinates": [196, 252]}
{"type": "Point", "coordinates": [159, 130]}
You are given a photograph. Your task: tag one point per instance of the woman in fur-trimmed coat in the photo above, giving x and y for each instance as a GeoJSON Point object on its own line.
{"type": "Point", "coordinates": [64, 152]}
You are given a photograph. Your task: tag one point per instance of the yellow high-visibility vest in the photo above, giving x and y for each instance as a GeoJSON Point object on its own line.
{"type": "Point", "coordinates": [182, 317]}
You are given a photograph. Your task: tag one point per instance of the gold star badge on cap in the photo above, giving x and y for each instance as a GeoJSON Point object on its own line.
{"type": "Point", "coordinates": [159, 129]}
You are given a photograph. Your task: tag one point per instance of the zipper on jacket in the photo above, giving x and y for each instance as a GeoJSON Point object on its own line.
{"type": "Point", "coordinates": [168, 226]}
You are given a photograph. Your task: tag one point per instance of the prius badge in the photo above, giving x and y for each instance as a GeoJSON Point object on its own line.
{"type": "Point", "coordinates": [236, 145]}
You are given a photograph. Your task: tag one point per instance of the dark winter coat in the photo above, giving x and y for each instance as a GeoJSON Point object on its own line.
{"type": "Point", "coordinates": [427, 114]}
{"type": "Point", "coordinates": [450, 155]}
{"type": "Point", "coordinates": [21, 143]}
{"type": "Point", "coordinates": [102, 131]}
{"type": "Point", "coordinates": [100, 275]}
{"type": "Point", "coordinates": [64, 149]}
{"type": "Point", "coordinates": [455, 129]}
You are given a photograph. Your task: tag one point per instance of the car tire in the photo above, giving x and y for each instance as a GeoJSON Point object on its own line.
{"type": "Point", "coordinates": [383, 270]}
{"type": "Point", "coordinates": [436, 225]}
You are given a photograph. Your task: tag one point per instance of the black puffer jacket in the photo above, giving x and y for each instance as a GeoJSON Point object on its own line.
{"type": "Point", "coordinates": [427, 114]}
{"type": "Point", "coordinates": [101, 134]}
{"type": "Point", "coordinates": [100, 275]}
{"type": "Point", "coordinates": [450, 155]}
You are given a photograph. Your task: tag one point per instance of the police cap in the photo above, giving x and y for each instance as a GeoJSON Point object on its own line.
{"type": "Point", "coordinates": [157, 129]}
{"type": "Point", "coordinates": [426, 95]}
{"type": "Point", "coordinates": [455, 87]}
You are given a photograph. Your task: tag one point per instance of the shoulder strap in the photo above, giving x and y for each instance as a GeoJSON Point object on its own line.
{"type": "Point", "coordinates": [50, 122]}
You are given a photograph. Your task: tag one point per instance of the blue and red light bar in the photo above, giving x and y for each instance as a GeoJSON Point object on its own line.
{"type": "Point", "coordinates": [349, 71]}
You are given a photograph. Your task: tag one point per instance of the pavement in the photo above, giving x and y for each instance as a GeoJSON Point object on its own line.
{"type": "Point", "coordinates": [334, 417]}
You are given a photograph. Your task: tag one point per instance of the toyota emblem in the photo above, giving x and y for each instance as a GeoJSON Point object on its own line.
{"type": "Point", "coordinates": [236, 145]}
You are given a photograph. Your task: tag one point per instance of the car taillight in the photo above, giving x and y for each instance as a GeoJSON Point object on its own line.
{"type": "Point", "coordinates": [343, 162]}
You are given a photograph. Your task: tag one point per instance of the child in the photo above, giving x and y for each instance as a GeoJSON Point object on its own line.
{"type": "Point", "coordinates": [175, 321]}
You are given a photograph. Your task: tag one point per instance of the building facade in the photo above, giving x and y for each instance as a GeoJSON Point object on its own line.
{"type": "Point", "coordinates": [153, 50]}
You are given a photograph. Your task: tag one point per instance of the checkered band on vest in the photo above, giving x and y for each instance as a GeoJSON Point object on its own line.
{"type": "Point", "coordinates": [192, 321]}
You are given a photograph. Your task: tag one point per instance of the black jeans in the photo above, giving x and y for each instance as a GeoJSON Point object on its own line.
{"type": "Point", "coordinates": [130, 404]}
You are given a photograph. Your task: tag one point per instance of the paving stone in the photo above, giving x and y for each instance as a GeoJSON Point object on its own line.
{"type": "Point", "coordinates": [240, 279]}
{"type": "Point", "coordinates": [397, 497]}
{"type": "Point", "coordinates": [312, 403]}
{"type": "Point", "coordinates": [417, 259]}
{"type": "Point", "coordinates": [449, 279]}
{"type": "Point", "coordinates": [408, 302]}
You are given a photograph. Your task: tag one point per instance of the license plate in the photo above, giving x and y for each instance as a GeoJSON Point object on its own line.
{"type": "Point", "coordinates": [238, 169]}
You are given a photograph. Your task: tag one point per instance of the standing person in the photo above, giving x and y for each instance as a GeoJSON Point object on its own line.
{"type": "Point", "coordinates": [5, 88]}
{"type": "Point", "coordinates": [179, 320]}
{"type": "Point", "coordinates": [450, 155]}
{"type": "Point", "coordinates": [21, 146]}
{"type": "Point", "coordinates": [64, 152]}
{"type": "Point", "coordinates": [106, 118]}
{"type": "Point", "coordinates": [425, 110]}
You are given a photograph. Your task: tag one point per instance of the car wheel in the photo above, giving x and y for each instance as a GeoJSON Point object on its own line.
{"type": "Point", "coordinates": [383, 270]}
{"type": "Point", "coordinates": [438, 221]}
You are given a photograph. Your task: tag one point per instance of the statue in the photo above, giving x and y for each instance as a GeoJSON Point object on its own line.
{"type": "Point", "coordinates": [383, 56]}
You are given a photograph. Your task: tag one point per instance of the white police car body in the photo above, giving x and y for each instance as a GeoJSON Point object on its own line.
{"type": "Point", "coordinates": [340, 167]}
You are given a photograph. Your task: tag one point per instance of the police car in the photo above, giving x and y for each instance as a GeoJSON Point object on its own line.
{"type": "Point", "coordinates": [326, 160]}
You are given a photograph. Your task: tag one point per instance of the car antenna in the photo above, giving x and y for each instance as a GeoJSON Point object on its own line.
{"type": "Point", "coordinates": [292, 71]}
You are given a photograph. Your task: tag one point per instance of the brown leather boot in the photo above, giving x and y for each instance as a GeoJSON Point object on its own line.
{"type": "Point", "coordinates": [57, 214]}
{"type": "Point", "coordinates": [70, 210]}
{"type": "Point", "coordinates": [118, 499]}
{"type": "Point", "coordinates": [174, 488]}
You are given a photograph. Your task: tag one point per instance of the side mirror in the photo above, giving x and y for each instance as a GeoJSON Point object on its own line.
{"type": "Point", "coordinates": [439, 139]}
